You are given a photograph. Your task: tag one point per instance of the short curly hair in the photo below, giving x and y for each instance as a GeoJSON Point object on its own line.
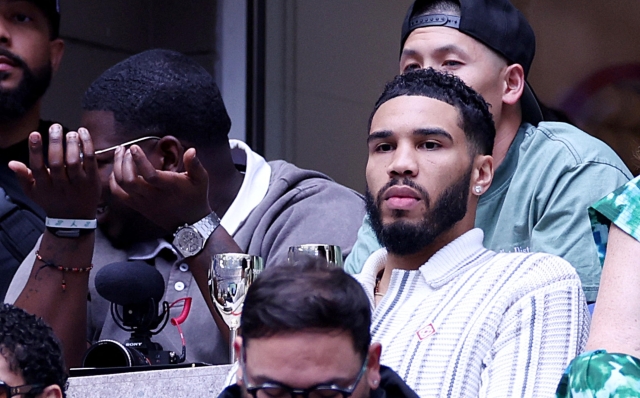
{"type": "Point", "coordinates": [474, 117]}
{"type": "Point", "coordinates": [31, 349]}
{"type": "Point", "coordinates": [162, 92]}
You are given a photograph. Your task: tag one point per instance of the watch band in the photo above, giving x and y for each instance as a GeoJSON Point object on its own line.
{"type": "Point", "coordinates": [207, 225]}
{"type": "Point", "coordinates": [204, 228]}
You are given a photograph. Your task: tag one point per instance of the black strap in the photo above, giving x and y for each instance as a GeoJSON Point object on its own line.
{"type": "Point", "coordinates": [21, 224]}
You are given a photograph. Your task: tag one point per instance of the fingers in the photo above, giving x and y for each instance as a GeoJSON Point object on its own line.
{"type": "Point", "coordinates": [56, 152]}
{"type": "Point", "coordinates": [129, 170]}
{"type": "Point", "coordinates": [36, 158]}
{"type": "Point", "coordinates": [89, 159]}
{"type": "Point", "coordinates": [116, 189]}
{"type": "Point", "coordinates": [143, 165]}
{"type": "Point", "coordinates": [194, 168]}
{"type": "Point", "coordinates": [24, 175]}
{"type": "Point", "coordinates": [73, 161]}
{"type": "Point", "coordinates": [124, 175]}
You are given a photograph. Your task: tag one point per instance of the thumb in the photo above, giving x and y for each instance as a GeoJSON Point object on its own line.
{"type": "Point", "coordinates": [194, 167]}
{"type": "Point", "coordinates": [23, 174]}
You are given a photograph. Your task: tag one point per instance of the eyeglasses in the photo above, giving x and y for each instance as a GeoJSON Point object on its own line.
{"type": "Point", "coordinates": [8, 391]}
{"type": "Point", "coordinates": [279, 390]}
{"type": "Point", "coordinates": [125, 144]}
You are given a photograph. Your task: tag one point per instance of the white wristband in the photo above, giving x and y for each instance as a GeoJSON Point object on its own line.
{"type": "Point", "coordinates": [66, 223]}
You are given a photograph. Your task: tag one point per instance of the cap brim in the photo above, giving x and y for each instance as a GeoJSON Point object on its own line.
{"type": "Point", "coordinates": [531, 111]}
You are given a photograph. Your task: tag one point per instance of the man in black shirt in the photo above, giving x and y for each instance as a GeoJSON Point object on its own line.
{"type": "Point", "coordinates": [30, 52]}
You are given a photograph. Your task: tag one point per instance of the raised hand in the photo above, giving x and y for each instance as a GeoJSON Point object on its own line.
{"type": "Point", "coordinates": [70, 186]}
{"type": "Point", "coordinates": [167, 198]}
{"type": "Point", "coordinates": [68, 189]}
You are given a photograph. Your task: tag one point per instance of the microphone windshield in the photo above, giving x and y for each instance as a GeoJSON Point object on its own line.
{"type": "Point", "coordinates": [130, 282]}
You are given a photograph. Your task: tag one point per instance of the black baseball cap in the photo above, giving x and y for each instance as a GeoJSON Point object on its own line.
{"type": "Point", "coordinates": [497, 24]}
{"type": "Point", "coordinates": [51, 9]}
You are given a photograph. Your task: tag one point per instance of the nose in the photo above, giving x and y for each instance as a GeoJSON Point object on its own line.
{"type": "Point", "coordinates": [5, 35]}
{"type": "Point", "coordinates": [403, 163]}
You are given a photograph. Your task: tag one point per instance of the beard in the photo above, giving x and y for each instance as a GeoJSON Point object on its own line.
{"type": "Point", "coordinates": [403, 237]}
{"type": "Point", "coordinates": [15, 103]}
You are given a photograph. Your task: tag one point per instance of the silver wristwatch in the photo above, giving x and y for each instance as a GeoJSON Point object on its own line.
{"type": "Point", "coordinates": [189, 240]}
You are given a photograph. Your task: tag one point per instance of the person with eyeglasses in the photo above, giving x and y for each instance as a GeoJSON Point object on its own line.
{"type": "Point", "coordinates": [305, 333]}
{"type": "Point", "coordinates": [31, 361]}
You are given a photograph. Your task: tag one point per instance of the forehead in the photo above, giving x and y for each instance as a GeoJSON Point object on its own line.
{"type": "Point", "coordinates": [444, 39]}
{"type": "Point", "coordinates": [29, 5]}
{"type": "Point", "coordinates": [408, 113]}
{"type": "Point", "coordinates": [302, 359]}
{"type": "Point", "coordinates": [102, 127]}
{"type": "Point", "coordinates": [10, 378]}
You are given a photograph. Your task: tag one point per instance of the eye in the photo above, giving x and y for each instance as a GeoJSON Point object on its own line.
{"type": "Point", "coordinates": [411, 66]}
{"type": "Point", "coordinates": [22, 18]}
{"type": "Point", "coordinates": [451, 63]}
{"type": "Point", "coordinates": [384, 148]}
{"type": "Point", "coordinates": [429, 145]}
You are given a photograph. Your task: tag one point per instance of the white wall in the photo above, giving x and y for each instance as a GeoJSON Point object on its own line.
{"type": "Point", "coordinates": [327, 64]}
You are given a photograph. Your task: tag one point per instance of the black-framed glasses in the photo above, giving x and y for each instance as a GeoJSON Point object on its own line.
{"type": "Point", "coordinates": [279, 390]}
{"type": "Point", "coordinates": [7, 391]}
{"type": "Point", "coordinates": [126, 144]}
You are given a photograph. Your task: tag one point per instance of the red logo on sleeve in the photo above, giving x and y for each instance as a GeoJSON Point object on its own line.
{"type": "Point", "coordinates": [426, 331]}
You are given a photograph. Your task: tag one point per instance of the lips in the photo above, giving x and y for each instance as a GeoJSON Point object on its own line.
{"type": "Point", "coordinates": [401, 197]}
{"type": "Point", "coordinates": [6, 63]}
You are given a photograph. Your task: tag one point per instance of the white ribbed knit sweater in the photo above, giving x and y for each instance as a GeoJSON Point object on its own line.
{"type": "Point", "coordinates": [474, 323]}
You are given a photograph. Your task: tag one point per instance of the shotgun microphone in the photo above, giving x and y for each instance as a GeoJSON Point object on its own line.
{"type": "Point", "coordinates": [134, 289]}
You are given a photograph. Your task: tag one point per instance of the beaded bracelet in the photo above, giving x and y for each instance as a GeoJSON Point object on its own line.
{"type": "Point", "coordinates": [60, 268]}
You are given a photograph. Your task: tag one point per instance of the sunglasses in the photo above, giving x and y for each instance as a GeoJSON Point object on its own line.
{"type": "Point", "coordinates": [280, 390]}
{"type": "Point", "coordinates": [8, 391]}
{"type": "Point", "coordinates": [126, 144]}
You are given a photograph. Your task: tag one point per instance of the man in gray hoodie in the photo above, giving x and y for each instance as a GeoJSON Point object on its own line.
{"type": "Point", "coordinates": [163, 204]}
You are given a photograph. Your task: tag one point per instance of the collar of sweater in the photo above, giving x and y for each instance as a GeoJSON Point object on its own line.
{"type": "Point", "coordinates": [446, 264]}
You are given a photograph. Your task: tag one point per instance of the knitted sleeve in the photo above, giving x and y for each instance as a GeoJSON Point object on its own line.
{"type": "Point", "coordinates": [538, 337]}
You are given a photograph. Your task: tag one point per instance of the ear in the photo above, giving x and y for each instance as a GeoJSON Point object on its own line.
{"type": "Point", "coordinates": [514, 84]}
{"type": "Point", "coordinates": [237, 346]}
{"type": "Point", "coordinates": [373, 366]}
{"type": "Point", "coordinates": [52, 391]}
{"type": "Point", "coordinates": [56, 50]}
{"type": "Point", "coordinates": [169, 153]}
{"type": "Point", "coordinates": [482, 174]}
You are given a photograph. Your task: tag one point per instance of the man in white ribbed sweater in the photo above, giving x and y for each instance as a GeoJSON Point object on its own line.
{"type": "Point", "coordinates": [456, 319]}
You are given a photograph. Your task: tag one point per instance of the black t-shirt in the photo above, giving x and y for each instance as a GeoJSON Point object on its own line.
{"type": "Point", "coordinates": [21, 220]}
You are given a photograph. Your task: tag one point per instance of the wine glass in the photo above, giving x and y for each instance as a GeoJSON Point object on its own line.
{"type": "Point", "coordinates": [230, 276]}
{"type": "Point", "coordinates": [331, 253]}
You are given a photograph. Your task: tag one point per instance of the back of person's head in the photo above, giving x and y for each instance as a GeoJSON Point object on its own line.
{"type": "Point", "coordinates": [30, 348]}
{"type": "Point", "coordinates": [162, 92]}
{"type": "Point", "coordinates": [474, 116]}
{"type": "Point", "coordinates": [308, 296]}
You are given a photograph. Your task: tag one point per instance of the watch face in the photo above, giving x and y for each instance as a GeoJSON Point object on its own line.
{"type": "Point", "coordinates": [189, 241]}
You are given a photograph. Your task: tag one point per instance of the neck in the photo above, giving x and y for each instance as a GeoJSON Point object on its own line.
{"type": "Point", "coordinates": [506, 130]}
{"type": "Point", "coordinates": [224, 179]}
{"type": "Point", "coordinates": [14, 131]}
{"type": "Point", "coordinates": [414, 261]}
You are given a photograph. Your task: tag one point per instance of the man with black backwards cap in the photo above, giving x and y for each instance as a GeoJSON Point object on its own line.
{"type": "Point", "coordinates": [30, 52]}
{"type": "Point", "coordinates": [547, 173]}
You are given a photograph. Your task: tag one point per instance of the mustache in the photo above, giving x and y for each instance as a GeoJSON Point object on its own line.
{"type": "Point", "coordinates": [16, 59]}
{"type": "Point", "coordinates": [406, 182]}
